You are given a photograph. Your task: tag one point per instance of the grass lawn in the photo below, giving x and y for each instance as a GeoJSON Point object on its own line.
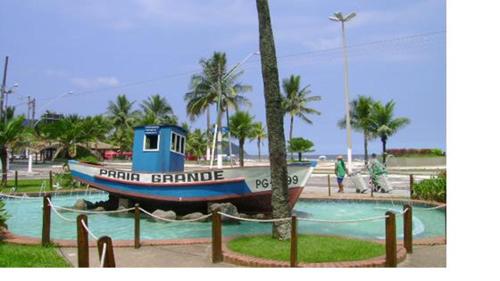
{"type": "Point", "coordinates": [30, 256]}
{"type": "Point", "coordinates": [26, 185]}
{"type": "Point", "coordinates": [311, 248]}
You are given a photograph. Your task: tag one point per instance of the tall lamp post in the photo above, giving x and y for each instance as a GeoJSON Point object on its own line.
{"type": "Point", "coordinates": [338, 17]}
{"type": "Point", "coordinates": [218, 132]}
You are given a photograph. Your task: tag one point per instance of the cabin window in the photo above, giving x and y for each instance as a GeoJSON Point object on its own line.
{"type": "Point", "coordinates": [177, 143]}
{"type": "Point", "coordinates": [151, 142]}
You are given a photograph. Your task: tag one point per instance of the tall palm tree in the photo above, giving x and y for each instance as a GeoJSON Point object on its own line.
{"type": "Point", "coordinates": [361, 119]}
{"type": "Point", "coordinates": [259, 133]}
{"type": "Point", "coordinates": [274, 121]}
{"type": "Point", "coordinates": [296, 100]}
{"type": "Point", "coordinates": [384, 124]}
{"type": "Point", "coordinates": [206, 86]}
{"type": "Point", "coordinates": [156, 110]}
{"type": "Point", "coordinates": [123, 117]}
{"type": "Point", "coordinates": [241, 126]}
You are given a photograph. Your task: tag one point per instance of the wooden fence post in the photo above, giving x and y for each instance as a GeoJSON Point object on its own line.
{"type": "Point", "coordinates": [46, 221]}
{"type": "Point", "coordinates": [82, 241]}
{"type": "Point", "coordinates": [15, 179]}
{"type": "Point", "coordinates": [137, 227]}
{"type": "Point", "coordinates": [50, 181]}
{"type": "Point", "coordinates": [293, 243]}
{"type": "Point", "coordinates": [329, 185]}
{"type": "Point", "coordinates": [408, 228]}
{"type": "Point", "coordinates": [390, 240]}
{"type": "Point", "coordinates": [411, 185]}
{"type": "Point", "coordinates": [109, 258]}
{"type": "Point", "coordinates": [216, 237]}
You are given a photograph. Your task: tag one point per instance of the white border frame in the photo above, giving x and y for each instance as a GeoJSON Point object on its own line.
{"type": "Point", "coordinates": [144, 144]}
{"type": "Point", "coordinates": [175, 142]}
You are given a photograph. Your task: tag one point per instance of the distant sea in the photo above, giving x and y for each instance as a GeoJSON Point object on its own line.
{"type": "Point", "coordinates": [311, 156]}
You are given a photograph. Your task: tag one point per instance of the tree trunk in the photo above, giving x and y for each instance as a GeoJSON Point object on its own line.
{"type": "Point", "coordinates": [258, 148]}
{"type": "Point", "coordinates": [366, 147]}
{"type": "Point", "coordinates": [300, 156]}
{"type": "Point", "coordinates": [242, 152]}
{"type": "Point", "coordinates": [290, 135]}
{"type": "Point", "coordinates": [384, 143]}
{"type": "Point", "coordinates": [208, 154]}
{"type": "Point", "coordinates": [3, 156]}
{"type": "Point", "coordinates": [274, 120]}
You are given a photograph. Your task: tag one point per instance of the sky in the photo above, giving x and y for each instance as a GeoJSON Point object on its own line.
{"type": "Point", "coordinates": [76, 56]}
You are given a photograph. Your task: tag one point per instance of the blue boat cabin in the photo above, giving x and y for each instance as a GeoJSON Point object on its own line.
{"type": "Point", "coordinates": [158, 149]}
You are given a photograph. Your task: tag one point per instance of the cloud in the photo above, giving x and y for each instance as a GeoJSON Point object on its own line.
{"type": "Point", "coordinates": [90, 83]}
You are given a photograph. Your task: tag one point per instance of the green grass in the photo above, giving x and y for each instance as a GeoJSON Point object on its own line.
{"type": "Point", "coordinates": [30, 256]}
{"type": "Point", "coordinates": [26, 185]}
{"type": "Point", "coordinates": [311, 248]}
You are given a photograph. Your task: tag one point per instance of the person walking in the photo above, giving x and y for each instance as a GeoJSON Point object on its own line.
{"type": "Point", "coordinates": [340, 172]}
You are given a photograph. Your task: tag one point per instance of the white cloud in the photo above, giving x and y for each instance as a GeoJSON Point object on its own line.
{"type": "Point", "coordinates": [90, 83]}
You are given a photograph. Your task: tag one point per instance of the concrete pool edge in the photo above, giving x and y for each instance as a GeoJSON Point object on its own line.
{"type": "Point", "coordinates": [429, 241]}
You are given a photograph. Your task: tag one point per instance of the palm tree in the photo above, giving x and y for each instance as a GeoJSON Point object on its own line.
{"type": "Point", "coordinates": [123, 117]}
{"type": "Point", "coordinates": [384, 124]}
{"type": "Point", "coordinates": [156, 110]}
{"type": "Point", "coordinates": [11, 132]}
{"type": "Point", "coordinates": [241, 126]}
{"type": "Point", "coordinates": [206, 86]}
{"type": "Point", "coordinates": [296, 100]}
{"type": "Point", "coordinates": [274, 121]}
{"type": "Point", "coordinates": [259, 133]}
{"type": "Point", "coordinates": [361, 119]}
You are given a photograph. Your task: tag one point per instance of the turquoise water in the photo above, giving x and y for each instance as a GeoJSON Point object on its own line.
{"type": "Point", "coordinates": [26, 220]}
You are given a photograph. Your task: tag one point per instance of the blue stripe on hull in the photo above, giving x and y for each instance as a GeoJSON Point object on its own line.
{"type": "Point", "coordinates": [191, 191]}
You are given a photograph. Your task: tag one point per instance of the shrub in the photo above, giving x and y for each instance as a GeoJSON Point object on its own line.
{"type": "Point", "coordinates": [398, 152]}
{"type": "Point", "coordinates": [65, 180]}
{"type": "Point", "coordinates": [431, 189]}
{"type": "Point", "coordinates": [3, 216]}
{"type": "Point", "coordinates": [89, 159]}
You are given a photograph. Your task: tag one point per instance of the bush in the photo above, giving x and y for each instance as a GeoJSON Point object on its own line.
{"type": "Point", "coordinates": [65, 180]}
{"type": "Point", "coordinates": [3, 216]}
{"type": "Point", "coordinates": [431, 189]}
{"type": "Point", "coordinates": [401, 152]}
{"type": "Point", "coordinates": [89, 159]}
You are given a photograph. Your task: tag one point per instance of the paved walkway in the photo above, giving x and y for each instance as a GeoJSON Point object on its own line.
{"type": "Point", "coordinates": [426, 256]}
{"type": "Point", "coordinates": [153, 256]}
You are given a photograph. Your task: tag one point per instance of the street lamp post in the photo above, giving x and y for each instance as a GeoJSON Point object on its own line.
{"type": "Point", "coordinates": [338, 17]}
{"type": "Point", "coordinates": [218, 131]}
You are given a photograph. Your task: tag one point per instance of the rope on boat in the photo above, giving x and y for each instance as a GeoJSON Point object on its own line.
{"type": "Point", "coordinates": [169, 220]}
{"type": "Point", "coordinates": [254, 220]}
{"type": "Point", "coordinates": [20, 197]}
{"type": "Point", "coordinates": [57, 213]}
{"type": "Point", "coordinates": [345, 221]}
{"type": "Point", "coordinates": [104, 247]}
{"type": "Point", "coordinates": [88, 230]}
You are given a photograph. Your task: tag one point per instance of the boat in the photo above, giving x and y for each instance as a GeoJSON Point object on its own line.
{"type": "Point", "coordinates": [158, 179]}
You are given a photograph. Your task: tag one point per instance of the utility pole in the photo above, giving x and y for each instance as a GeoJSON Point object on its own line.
{"type": "Point", "coordinates": [338, 17]}
{"type": "Point", "coordinates": [4, 83]}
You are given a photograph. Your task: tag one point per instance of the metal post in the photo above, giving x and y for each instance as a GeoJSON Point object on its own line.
{"type": "Point", "coordinates": [293, 243]}
{"type": "Point", "coordinates": [137, 227]}
{"type": "Point", "coordinates": [50, 181]}
{"type": "Point", "coordinates": [408, 228]}
{"type": "Point", "coordinates": [216, 237]}
{"type": "Point", "coordinates": [82, 241]}
{"type": "Point", "coordinates": [390, 240]}
{"type": "Point", "coordinates": [4, 84]}
{"type": "Point", "coordinates": [329, 186]}
{"type": "Point", "coordinates": [46, 221]}
{"type": "Point", "coordinates": [15, 179]}
{"type": "Point", "coordinates": [109, 258]}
